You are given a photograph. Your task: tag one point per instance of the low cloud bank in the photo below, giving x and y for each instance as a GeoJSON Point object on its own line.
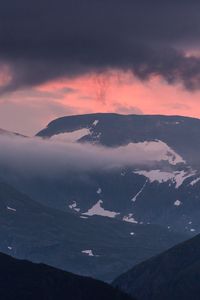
{"type": "Point", "coordinates": [35, 157]}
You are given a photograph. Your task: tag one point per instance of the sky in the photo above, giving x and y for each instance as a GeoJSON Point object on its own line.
{"type": "Point", "coordinates": [66, 57]}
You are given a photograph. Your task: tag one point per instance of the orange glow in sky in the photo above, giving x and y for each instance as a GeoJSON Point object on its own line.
{"type": "Point", "coordinates": [28, 110]}
{"type": "Point", "coordinates": [122, 93]}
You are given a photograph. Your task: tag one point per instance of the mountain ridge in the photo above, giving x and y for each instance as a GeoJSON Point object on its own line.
{"type": "Point", "coordinates": [173, 274]}
{"type": "Point", "coordinates": [92, 247]}
{"type": "Point", "coordinates": [22, 279]}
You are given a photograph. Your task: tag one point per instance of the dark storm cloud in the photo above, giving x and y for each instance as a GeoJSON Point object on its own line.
{"type": "Point", "coordinates": [44, 40]}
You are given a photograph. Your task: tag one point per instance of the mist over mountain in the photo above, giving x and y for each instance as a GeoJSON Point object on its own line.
{"type": "Point", "coordinates": [97, 194]}
{"type": "Point", "coordinates": [141, 169]}
{"type": "Point", "coordinates": [163, 191]}
{"type": "Point", "coordinates": [114, 130]}
{"type": "Point", "coordinates": [55, 156]}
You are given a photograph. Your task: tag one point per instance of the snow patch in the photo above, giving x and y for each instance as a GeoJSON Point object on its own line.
{"type": "Point", "coordinates": [71, 137]}
{"type": "Point", "coordinates": [160, 151]}
{"type": "Point", "coordinates": [99, 191]}
{"type": "Point", "coordinates": [140, 191]}
{"type": "Point", "coordinates": [88, 252]}
{"type": "Point", "coordinates": [98, 135]}
{"type": "Point", "coordinates": [130, 219]}
{"type": "Point", "coordinates": [176, 177]}
{"type": "Point", "coordinates": [74, 206]}
{"type": "Point", "coordinates": [181, 176]}
{"type": "Point", "coordinates": [195, 181]}
{"type": "Point", "coordinates": [177, 203]}
{"type": "Point", "coordinates": [95, 122]}
{"type": "Point", "coordinates": [11, 208]}
{"type": "Point", "coordinates": [98, 210]}
{"type": "Point", "coordinates": [156, 175]}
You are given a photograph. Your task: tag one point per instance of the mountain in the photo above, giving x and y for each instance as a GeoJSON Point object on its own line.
{"type": "Point", "coordinates": [164, 191]}
{"type": "Point", "coordinates": [173, 274]}
{"type": "Point", "coordinates": [98, 247]}
{"type": "Point", "coordinates": [113, 130]}
{"type": "Point", "coordinates": [9, 133]}
{"type": "Point", "coordinates": [25, 280]}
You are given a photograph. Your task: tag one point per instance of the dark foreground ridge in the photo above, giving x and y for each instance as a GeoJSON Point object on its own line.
{"type": "Point", "coordinates": [25, 280]}
{"type": "Point", "coordinates": [174, 274]}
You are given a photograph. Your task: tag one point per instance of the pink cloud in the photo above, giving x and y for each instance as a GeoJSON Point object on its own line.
{"type": "Point", "coordinates": [30, 110]}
